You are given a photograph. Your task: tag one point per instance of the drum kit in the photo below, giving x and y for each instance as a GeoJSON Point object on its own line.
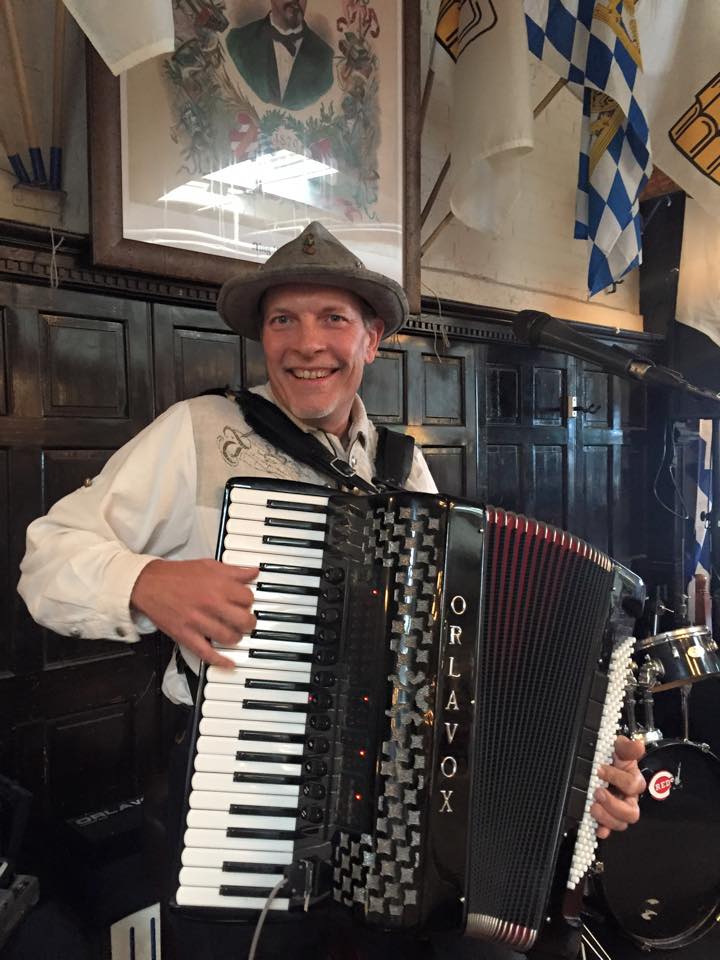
{"type": "Point", "coordinates": [660, 880]}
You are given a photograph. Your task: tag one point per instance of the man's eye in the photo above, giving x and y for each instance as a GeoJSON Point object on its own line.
{"type": "Point", "coordinates": [336, 317]}
{"type": "Point", "coordinates": [280, 320]}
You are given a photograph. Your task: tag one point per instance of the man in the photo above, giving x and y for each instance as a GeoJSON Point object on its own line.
{"type": "Point", "coordinates": [129, 553]}
{"type": "Point", "coordinates": [281, 59]}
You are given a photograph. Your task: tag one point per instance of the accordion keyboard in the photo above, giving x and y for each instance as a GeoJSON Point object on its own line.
{"type": "Point", "coordinates": [245, 795]}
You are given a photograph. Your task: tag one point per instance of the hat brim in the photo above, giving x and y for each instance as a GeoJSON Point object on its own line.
{"type": "Point", "coordinates": [240, 297]}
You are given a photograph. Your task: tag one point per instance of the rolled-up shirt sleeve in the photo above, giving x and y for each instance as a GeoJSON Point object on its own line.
{"type": "Point", "coordinates": [82, 559]}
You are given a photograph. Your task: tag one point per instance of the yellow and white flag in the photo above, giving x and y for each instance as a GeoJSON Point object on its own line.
{"type": "Point", "coordinates": [682, 81]}
{"type": "Point", "coordinates": [125, 32]}
{"type": "Point", "coordinates": [492, 117]}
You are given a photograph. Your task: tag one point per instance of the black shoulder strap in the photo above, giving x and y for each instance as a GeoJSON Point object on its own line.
{"type": "Point", "coordinates": [270, 422]}
{"type": "Point", "coordinates": [394, 458]}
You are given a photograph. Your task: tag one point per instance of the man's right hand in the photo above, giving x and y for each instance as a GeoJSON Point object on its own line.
{"type": "Point", "coordinates": [195, 602]}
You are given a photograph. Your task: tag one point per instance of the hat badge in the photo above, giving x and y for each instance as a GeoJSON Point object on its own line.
{"type": "Point", "coordinates": [308, 246]}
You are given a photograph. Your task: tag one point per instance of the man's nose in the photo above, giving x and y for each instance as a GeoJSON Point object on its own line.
{"type": "Point", "coordinates": [310, 336]}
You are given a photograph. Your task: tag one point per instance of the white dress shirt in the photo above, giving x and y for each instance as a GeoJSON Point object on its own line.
{"type": "Point", "coordinates": [160, 496]}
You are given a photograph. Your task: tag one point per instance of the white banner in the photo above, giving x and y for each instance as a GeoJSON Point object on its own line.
{"type": "Point", "coordinates": [680, 47]}
{"type": "Point", "coordinates": [126, 32]}
{"type": "Point", "coordinates": [698, 299]}
{"type": "Point", "coordinates": [492, 113]}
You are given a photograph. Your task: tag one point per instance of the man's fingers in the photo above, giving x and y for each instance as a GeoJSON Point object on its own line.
{"type": "Point", "coordinates": [203, 649]}
{"type": "Point", "coordinates": [628, 782]}
{"type": "Point", "coordinates": [242, 574]}
{"type": "Point", "coordinates": [627, 750]}
{"type": "Point", "coordinates": [617, 813]}
{"type": "Point", "coordinates": [227, 627]}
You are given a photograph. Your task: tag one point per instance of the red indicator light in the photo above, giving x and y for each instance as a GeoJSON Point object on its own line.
{"type": "Point", "coordinates": [366, 699]}
{"type": "Point", "coordinates": [361, 752]}
{"type": "Point", "coordinates": [375, 592]}
{"type": "Point", "coordinates": [358, 796]}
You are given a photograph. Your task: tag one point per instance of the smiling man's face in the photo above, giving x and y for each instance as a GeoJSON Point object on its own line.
{"type": "Point", "coordinates": [316, 345]}
{"type": "Point", "coordinates": [288, 14]}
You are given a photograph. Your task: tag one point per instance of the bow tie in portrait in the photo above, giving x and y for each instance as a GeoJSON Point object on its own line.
{"type": "Point", "coordinates": [288, 40]}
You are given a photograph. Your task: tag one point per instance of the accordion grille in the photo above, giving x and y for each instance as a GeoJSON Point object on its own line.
{"type": "Point", "coordinates": [546, 605]}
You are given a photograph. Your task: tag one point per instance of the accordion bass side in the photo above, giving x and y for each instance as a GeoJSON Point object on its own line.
{"type": "Point", "coordinates": [417, 719]}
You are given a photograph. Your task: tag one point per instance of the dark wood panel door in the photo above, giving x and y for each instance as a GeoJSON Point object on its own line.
{"type": "Point", "coordinates": [529, 435]}
{"type": "Point", "coordinates": [612, 469]}
{"type": "Point", "coordinates": [76, 716]}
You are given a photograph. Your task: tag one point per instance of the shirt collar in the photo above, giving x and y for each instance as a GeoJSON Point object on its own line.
{"type": "Point", "coordinates": [298, 32]}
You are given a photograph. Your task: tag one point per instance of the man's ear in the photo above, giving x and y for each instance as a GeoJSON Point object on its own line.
{"type": "Point", "coordinates": [375, 332]}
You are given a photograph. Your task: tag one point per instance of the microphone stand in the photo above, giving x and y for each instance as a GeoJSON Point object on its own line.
{"type": "Point", "coordinates": [544, 331]}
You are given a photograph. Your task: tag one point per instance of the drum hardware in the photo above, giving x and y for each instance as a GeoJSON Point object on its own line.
{"type": "Point", "coordinates": [631, 724]}
{"type": "Point", "coordinates": [648, 676]}
{"type": "Point", "coordinates": [657, 609]}
{"type": "Point", "coordinates": [677, 657]}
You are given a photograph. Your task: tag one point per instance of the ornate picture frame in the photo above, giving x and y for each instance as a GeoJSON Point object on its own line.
{"type": "Point", "coordinates": [364, 186]}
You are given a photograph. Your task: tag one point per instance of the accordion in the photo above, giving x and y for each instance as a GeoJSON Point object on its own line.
{"type": "Point", "coordinates": [415, 724]}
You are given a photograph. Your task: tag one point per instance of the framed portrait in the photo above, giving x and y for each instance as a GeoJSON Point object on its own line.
{"type": "Point", "coordinates": [269, 114]}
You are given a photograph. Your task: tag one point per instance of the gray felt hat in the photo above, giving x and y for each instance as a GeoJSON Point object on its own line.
{"type": "Point", "coordinates": [314, 257]}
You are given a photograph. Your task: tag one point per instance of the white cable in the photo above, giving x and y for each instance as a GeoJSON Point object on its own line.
{"type": "Point", "coordinates": [594, 944]}
{"type": "Point", "coordinates": [261, 919]}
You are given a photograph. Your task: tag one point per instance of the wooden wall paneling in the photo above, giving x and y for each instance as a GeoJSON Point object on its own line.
{"type": "Point", "coordinates": [441, 410]}
{"type": "Point", "coordinates": [612, 430]}
{"type": "Point", "coordinates": [254, 369]}
{"type": "Point", "coordinates": [194, 351]}
{"type": "Point", "coordinates": [384, 386]}
{"type": "Point", "coordinates": [79, 358]}
{"type": "Point", "coordinates": [85, 366]}
{"type": "Point", "coordinates": [79, 385]}
{"type": "Point", "coordinates": [529, 436]}
{"type": "Point", "coordinates": [419, 383]}
{"type": "Point", "coordinates": [3, 367]}
{"type": "Point", "coordinates": [23, 348]}
{"type": "Point", "coordinates": [6, 586]}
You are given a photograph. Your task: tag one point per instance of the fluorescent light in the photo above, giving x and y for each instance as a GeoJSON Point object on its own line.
{"type": "Point", "coordinates": [282, 174]}
{"type": "Point", "coordinates": [271, 168]}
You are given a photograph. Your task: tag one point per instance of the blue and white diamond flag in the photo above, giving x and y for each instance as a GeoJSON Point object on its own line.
{"type": "Point", "coordinates": [593, 44]}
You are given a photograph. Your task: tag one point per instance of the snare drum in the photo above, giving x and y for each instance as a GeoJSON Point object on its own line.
{"type": "Point", "coordinates": [660, 879]}
{"type": "Point", "coordinates": [680, 656]}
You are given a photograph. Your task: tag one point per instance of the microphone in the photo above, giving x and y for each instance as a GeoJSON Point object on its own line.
{"type": "Point", "coordinates": [542, 330]}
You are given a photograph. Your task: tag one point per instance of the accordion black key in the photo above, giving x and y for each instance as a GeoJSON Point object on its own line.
{"type": "Point", "coordinates": [416, 722]}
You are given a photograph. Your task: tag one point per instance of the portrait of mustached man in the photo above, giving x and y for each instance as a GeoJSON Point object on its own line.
{"type": "Point", "coordinates": [283, 61]}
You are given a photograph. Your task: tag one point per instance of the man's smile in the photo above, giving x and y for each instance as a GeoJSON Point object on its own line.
{"type": "Point", "coordinates": [311, 374]}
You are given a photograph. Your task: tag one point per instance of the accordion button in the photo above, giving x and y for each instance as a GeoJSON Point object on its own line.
{"type": "Point", "coordinates": [320, 722]}
{"type": "Point", "coordinates": [315, 768]}
{"type": "Point", "coordinates": [318, 745]}
{"type": "Point", "coordinates": [329, 616]}
{"type": "Point", "coordinates": [334, 574]}
{"type": "Point", "coordinates": [323, 679]}
{"type": "Point", "coordinates": [320, 699]}
{"type": "Point", "coordinates": [316, 791]}
{"type": "Point", "coordinates": [311, 814]}
{"type": "Point", "coordinates": [326, 636]}
{"type": "Point", "coordinates": [325, 657]}
{"type": "Point", "coordinates": [331, 594]}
